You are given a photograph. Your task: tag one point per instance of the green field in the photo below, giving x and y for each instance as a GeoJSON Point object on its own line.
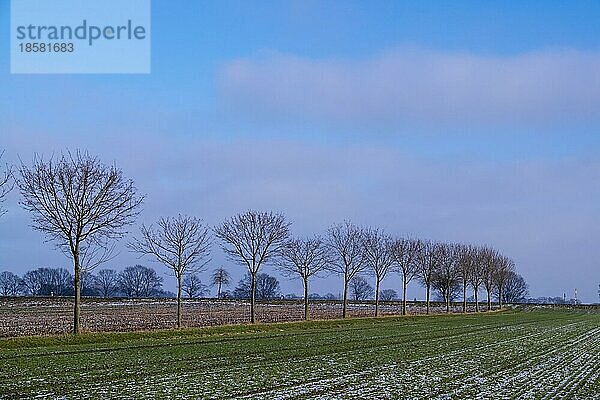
{"type": "Point", "coordinates": [515, 354]}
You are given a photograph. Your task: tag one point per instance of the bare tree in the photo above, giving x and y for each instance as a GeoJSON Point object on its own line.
{"type": "Point", "coordinates": [219, 278]}
{"type": "Point", "coordinates": [9, 284]}
{"type": "Point", "coordinates": [181, 244]}
{"type": "Point", "coordinates": [406, 253]}
{"type": "Point", "coordinates": [467, 258]}
{"type": "Point", "coordinates": [77, 202]}
{"type": "Point", "coordinates": [48, 282]}
{"type": "Point", "coordinates": [388, 294]}
{"type": "Point", "coordinates": [107, 282]}
{"type": "Point", "coordinates": [35, 280]}
{"type": "Point", "coordinates": [304, 258]}
{"type": "Point", "coordinates": [489, 259]}
{"type": "Point", "coordinates": [515, 288]}
{"type": "Point", "coordinates": [253, 239]}
{"type": "Point", "coordinates": [61, 282]}
{"type": "Point", "coordinates": [347, 256]}
{"type": "Point", "coordinates": [360, 288]}
{"type": "Point", "coordinates": [267, 287]}
{"type": "Point", "coordinates": [427, 262]}
{"type": "Point", "coordinates": [446, 274]}
{"type": "Point", "coordinates": [6, 185]}
{"type": "Point", "coordinates": [193, 286]}
{"type": "Point", "coordinates": [477, 273]}
{"type": "Point", "coordinates": [378, 257]}
{"type": "Point", "coordinates": [504, 268]}
{"type": "Point", "coordinates": [139, 281]}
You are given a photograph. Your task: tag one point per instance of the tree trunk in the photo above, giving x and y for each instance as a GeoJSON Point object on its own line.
{"type": "Point", "coordinates": [428, 288]}
{"type": "Point", "coordinates": [476, 291]}
{"type": "Point", "coordinates": [252, 298]}
{"type": "Point", "coordinates": [306, 299]}
{"type": "Point", "coordinates": [404, 285]}
{"type": "Point", "coordinates": [219, 291]}
{"type": "Point", "coordinates": [179, 301]}
{"type": "Point", "coordinates": [447, 300]}
{"type": "Point", "coordinates": [377, 298]}
{"type": "Point", "coordinates": [500, 296]}
{"type": "Point", "coordinates": [345, 298]}
{"type": "Point", "coordinates": [77, 284]}
{"type": "Point", "coordinates": [489, 299]}
{"type": "Point", "coordinates": [464, 297]}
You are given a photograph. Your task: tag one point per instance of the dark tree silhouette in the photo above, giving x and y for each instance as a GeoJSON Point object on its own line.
{"type": "Point", "coordinates": [139, 281]}
{"type": "Point", "coordinates": [388, 295]}
{"type": "Point", "coordinates": [360, 288]}
{"type": "Point", "coordinates": [219, 278]}
{"type": "Point", "coordinates": [515, 288]}
{"type": "Point", "coordinates": [48, 282]}
{"type": "Point", "coordinates": [193, 286]}
{"type": "Point", "coordinates": [107, 282]}
{"type": "Point", "coordinates": [267, 287]}
{"type": "Point", "coordinates": [10, 284]}
{"type": "Point", "coordinates": [78, 203]}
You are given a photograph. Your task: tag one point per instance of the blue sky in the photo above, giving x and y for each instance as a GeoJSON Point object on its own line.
{"type": "Point", "coordinates": [462, 121]}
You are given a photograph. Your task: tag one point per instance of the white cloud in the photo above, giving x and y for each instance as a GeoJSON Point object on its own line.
{"type": "Point", "coordinates": [416, 86]}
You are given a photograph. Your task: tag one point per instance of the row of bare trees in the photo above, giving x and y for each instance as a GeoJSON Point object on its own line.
{"type": "Point", "coordinates": [349, 250]}
{"type": "Point", "coordinates": [84, 206]}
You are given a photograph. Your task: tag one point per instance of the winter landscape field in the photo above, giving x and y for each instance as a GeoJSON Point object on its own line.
{"type": "Point", "coordinates": [26, 316]}
{"type": "Point", "coordinates": [518, 354]}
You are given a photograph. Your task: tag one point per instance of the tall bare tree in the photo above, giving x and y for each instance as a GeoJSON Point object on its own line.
{"type": "Point", "coordinates": [502, 273]}
{"type": "Point", "coordinates": [304, 258]}
{"type": "Point", "coordinates": [489, 259]}
{"type": "Point", "coordinates": [182, 244]}
{"type": "Point", "coordinates": [406, 253]}
{"type": "Point", "coordinates": [78, 202]}
{"type": "Point", "coordinates": [6, 185]}
{"type": "Point", "coordinates": [446, 274]}
{"type": "Point", "coordinates": [347, 255]}
{"type": "Point", "coordinates": [477, 273]}
{"type": "Point", "coordinates": [253, 239]}
{"type": "Point", "coordinates": [427, 262]}
{"type": "Point", "coordinates": [378, 257]}
{"type": "Point", "coordinates": [466, 266]}
{"type": "Point", "coordinates": [219, 278]}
